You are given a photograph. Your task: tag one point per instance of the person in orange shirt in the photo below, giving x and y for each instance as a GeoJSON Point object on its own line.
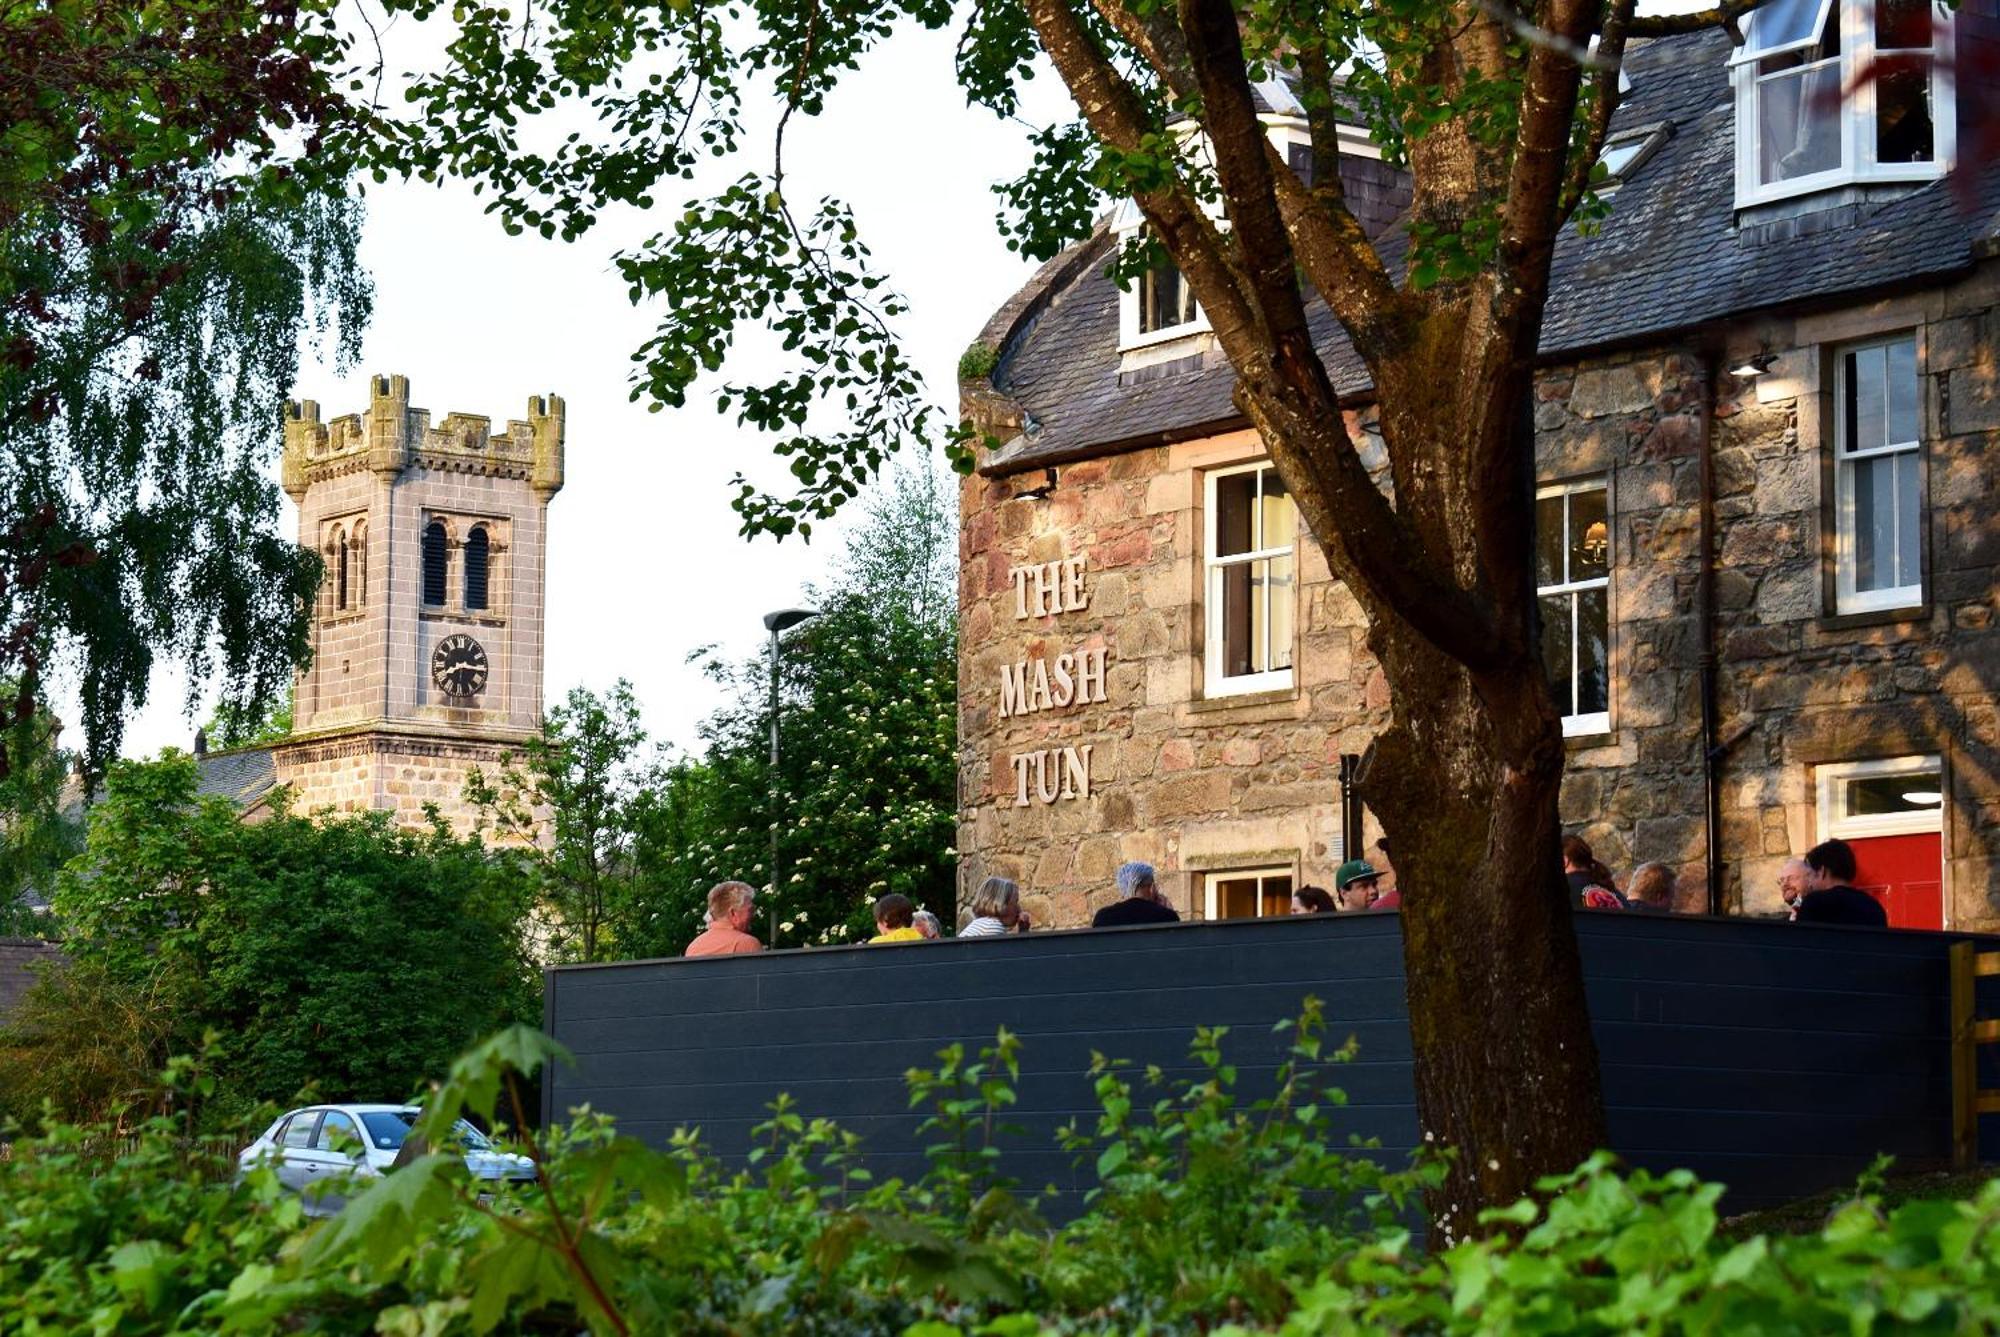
{"type": "Point", "coordinates": [728, 931]}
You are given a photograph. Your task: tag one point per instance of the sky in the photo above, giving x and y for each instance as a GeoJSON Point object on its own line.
{"type": "Point", "coordinates": [645, 564]}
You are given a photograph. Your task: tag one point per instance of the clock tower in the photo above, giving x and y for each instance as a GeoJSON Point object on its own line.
{"type": "Point", "coordinates": [427, 636]}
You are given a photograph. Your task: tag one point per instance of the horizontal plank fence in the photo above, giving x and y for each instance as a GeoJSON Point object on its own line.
{"type": "Point", "coordinates": [1776, 1058]}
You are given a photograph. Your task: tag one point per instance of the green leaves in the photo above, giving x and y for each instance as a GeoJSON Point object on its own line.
{"type": "Point", "coordinates": [1215, 1213]}
{"type": "Point", "coordinates": [311, 948]}
{"type": "Point", "coordinates": [173, 227]}
{"type": "Point", "coordinates": [385, 1222]}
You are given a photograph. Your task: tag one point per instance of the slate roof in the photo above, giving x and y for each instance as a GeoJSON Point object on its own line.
{"type": "Point", "coordinates": [242, 776]}
{"type": "Point", "coordinates": [1670, 257]}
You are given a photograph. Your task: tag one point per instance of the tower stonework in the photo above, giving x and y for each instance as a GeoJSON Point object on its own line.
{"type": "Point", "coordinates": [428, 630]}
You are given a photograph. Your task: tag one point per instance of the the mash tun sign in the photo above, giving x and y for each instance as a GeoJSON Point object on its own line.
{"type": "Point", "coordinates": [1072, 678]}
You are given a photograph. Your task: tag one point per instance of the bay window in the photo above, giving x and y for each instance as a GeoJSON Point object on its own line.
{"type": "Point", "coordinates": [1878, 488]}
{"type": "Point", "coordinates": [1835, 91]}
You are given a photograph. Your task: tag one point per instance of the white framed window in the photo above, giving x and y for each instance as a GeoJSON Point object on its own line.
{"type": "Point", "coordinates": [1251, 893]}
{"type": "Point", "coordinates": [1573, 583]}
{"type": "Point", "coordinates": [1896, 796]}
{"type": "Point", "coordinates": [1250, 591]}
{"type": "Point", "coordinates": [1159, 306]}
{"type": "Point", "coordinates": [1878, 481]}
{"type": "Point", "coordinates": [1833, 91]}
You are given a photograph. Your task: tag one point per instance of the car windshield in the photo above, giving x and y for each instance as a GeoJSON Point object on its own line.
{"type": "Point", "coordinates": [388, 1128]}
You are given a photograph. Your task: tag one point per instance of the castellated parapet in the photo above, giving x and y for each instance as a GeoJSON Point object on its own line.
{"type": "Point", "coordinates": [391, 436]}
{"type": "Point", "coordinates": [428, 628]}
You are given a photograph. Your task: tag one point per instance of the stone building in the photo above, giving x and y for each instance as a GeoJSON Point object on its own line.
{"type": "Point", "coordinates": [427, 636]}
{"type": "Point", "coordinates": [1788, 328]}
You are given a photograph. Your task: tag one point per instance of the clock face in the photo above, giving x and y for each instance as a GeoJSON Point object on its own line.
{"type": "Point", "coordinates": [458, 666]}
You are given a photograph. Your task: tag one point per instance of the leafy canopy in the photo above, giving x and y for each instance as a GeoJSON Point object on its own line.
{"type": "Point", "coordinates": [173, 221]}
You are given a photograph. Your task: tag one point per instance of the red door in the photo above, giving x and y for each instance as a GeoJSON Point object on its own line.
{"type": "Point", "coordinates": [1906, 874]}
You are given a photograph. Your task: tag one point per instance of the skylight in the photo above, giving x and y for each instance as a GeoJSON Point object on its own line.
{"type": "Point", "coordinates": [1628, 152]}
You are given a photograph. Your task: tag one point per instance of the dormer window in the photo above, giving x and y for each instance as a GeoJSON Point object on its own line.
{"type": "Point", "coordinates": [1830, 92]}
{"type": "Point", "coordinates": [1166, 302]}
{"type": "Point", "coordinates": [1158, 307]}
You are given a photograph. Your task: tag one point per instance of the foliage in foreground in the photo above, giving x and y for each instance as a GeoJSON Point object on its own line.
{"type": "Point", "coordinates": [1210, 1213]}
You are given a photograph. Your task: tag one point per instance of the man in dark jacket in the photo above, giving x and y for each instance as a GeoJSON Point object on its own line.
{"type": "Point", "coordinates": [1831, 899]}
{"type": "Point", "coordinates": [1142, 903]}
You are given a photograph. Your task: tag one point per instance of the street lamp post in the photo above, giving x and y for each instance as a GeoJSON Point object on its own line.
{"type": "Point", "coordinates": [775, 623]}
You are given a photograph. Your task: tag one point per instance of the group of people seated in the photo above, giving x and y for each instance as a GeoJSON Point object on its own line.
{"type": "Point", "coordinates": [1817, 889]}
{"type": "Point", "coordinates": [1592, 887]}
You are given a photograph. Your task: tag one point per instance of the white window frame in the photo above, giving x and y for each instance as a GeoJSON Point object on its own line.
{"type": "Point", "coordinates": [1848, 599]}
{"type": "Point", "coordinates": [1596, 721]}
{"type": "Point", "coordinates": [1210, 885]}
{"type": "Point", "coordinates": [1130, 336]}
{"type": "Point", "coordinates": [1271, 680]}
{"type": "Point", "coordinates": [1857, 111]}
{"type": "Point", "coordinates": [1834, 822]}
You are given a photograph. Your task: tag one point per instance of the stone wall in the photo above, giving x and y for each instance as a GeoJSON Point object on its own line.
{"type": "Point", "coordinates": [1188, 784]}
{"type": "Point", "coordinates": [21, 962]}
{"type": "Point", "coordinates": [396, 773]}
{"type": "Point", "coordinates": [1799, 685]}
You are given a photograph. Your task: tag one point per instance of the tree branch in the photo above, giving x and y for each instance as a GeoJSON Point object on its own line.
{"type": "Point", "coordinates": [1604, 96]}
{"type": "Point", "coordinates": [1112, 110]}
{"type": "Point", "coordinates": [1155, 36]}
{"type": "Point", "coordinates": [1724, 15]}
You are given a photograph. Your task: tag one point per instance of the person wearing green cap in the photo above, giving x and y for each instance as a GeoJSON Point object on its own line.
{"type": "Point", "coordinates": [1355, 884]}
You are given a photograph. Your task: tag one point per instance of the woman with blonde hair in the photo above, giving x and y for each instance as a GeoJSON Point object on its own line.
{"type": "Point", "coordinates": [996, 910]}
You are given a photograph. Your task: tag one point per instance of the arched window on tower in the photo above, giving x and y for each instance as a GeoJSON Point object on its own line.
{"type": "Point", "coordinates": [436, 555]}
{"type": "Point", "coordinates": [340, 569]}
{"type": "Point", "coordinates": [478, 550]}
{"type": "Point", "coordinates": [358, 546]}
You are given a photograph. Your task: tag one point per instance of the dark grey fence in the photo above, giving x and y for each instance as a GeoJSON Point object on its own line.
{"type": "Point", "coordinates": [1776, 1058]}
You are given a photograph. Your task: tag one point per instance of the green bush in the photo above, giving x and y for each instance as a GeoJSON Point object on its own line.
{"type": "Point", "coordinates": [1209, 1214]}
{"type": "Point", "coordinates": [339, 953]}
{"type": "Point", "coordinates": [977, 361]}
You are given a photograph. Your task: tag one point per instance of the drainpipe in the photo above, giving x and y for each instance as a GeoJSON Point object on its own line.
{"type": "Point", "coordinates": [1711, 749]}
{"type": "Point", "coordinates": [1350, 806]}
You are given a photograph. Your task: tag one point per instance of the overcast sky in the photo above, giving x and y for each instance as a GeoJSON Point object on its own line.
{"type": "Point", "coordinates": [645, 564]}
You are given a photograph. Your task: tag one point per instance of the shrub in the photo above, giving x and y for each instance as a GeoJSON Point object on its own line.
{"type": "Point", "coordinates": [1209, 1214]}
{"type": "Point", "coordinates": [977, 361]}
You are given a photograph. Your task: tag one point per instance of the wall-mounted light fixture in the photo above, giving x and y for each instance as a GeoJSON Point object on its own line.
{"type": "Point", "coordinates": [1750, 368]}
{"type": "Point", "coordinates": [1040, 493]}
{"type": "Point", "coordinates": [1597, 542]}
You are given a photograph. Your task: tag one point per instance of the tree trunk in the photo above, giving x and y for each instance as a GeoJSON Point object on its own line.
{"type": "Point", "coordinates": [1465, 785]}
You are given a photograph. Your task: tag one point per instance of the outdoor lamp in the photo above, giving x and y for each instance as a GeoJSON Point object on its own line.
{"type": "Point", "coordinates": [1750, 368]}
{"type": "Point", "coordinates": [775, 623]}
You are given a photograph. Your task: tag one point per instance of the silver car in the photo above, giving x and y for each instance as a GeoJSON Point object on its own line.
{"type": "Point", "coordinates": [321, 1146]}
